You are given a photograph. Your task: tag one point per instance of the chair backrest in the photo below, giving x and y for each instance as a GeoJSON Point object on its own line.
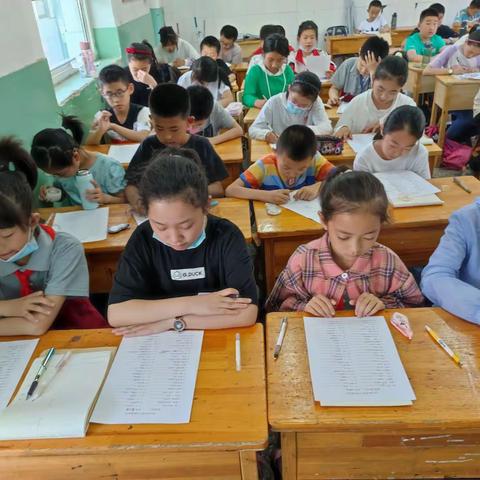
{"type": "Point", "coordinates": [337, 30]}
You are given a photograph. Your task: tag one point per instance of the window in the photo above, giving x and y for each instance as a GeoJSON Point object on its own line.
{"type": "Point", "coordinates": [62, 25]}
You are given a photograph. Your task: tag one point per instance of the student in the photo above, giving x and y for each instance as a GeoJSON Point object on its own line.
{"type": "Point", "coordinates": [299, 105]}
{"type": "Point", "coordinates": [231, 51]}
{"type": "Point", "coordinates": [175, 50]}
{"type": "Point", "coordinates": [375, 21]}
{"type": "Point", "coordinates": [364, 113]}
{"type": "Point", "coordinates": [182, 268]}
{"type": "Point", "coordinates": [353, 76]}
{"type": "Point", "coordinates": [398, 147]}
{"type": "Point", "coordinates": [43, 274]}
{"type": "Point", "coordinates": [205, 72]}
{"type": "Point", "coordinates": [169, 109]}
{"type": "Point", "coordinates": [270, 77]}
{"type": "Point", "coordinates": [444, 31]}
{"type": "Point", "coordinates": [58, 153]}
{"type": "Point", "coordinates": [266, 31]}
{"type": "Point", "coordinates": [208, 118]}
{"type": "Point", "coordinates": [210, 47]}
{"type": "Point", "coordinates": [426, 41]}
{"type": "Point", "coordinates": [123, 121]}
{"type": "Point", "coordinates": [145, 72]}
{"type": "Point", "coordinates": [307, 38]}
{"type": "Point", "coordinates": [457, 59]}
{"type": "Point", "coordinates": [296, 166]}
{"type": "Point", "coordinates": [346, 268]}
{"type": "Point", "coordinates": [468, 16]}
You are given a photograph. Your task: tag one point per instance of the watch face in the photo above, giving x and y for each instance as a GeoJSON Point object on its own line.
{"type": "Point", "coordinates": [179, 325]}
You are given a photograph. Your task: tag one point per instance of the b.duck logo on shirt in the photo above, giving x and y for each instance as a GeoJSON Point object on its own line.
{"type": "Point", "coordinates": [187, 274]}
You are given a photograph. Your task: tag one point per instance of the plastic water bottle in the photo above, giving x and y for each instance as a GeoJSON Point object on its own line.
{"type": "Point", "coordinates": [88, 59]}
{"type": "Point", "coordinates": [394, 21]}
{"type": "Point", "coordinates": [84, 182]}
{"type": "Point", "coordinates": [427, 53]}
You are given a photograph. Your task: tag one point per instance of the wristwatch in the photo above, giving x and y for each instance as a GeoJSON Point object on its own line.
{"type": "Point", "coordinates": [179, 324]}
{"type": "Point", "coordinates": [450, 71]}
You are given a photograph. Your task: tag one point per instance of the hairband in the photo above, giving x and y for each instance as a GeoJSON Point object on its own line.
{"type": "Point", "coordinates": [133, 51]}
{"type": "Point", "coordinates": [315, 87]}
{"type": "Point", "coordinates": [473, 41]}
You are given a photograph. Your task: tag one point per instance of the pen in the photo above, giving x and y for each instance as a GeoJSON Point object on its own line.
{"type": "Point", "coordinates": [42, 369]}
{"type": "Point", "coordinates": [58, 368]}
{"type": "Point", "coordinates": [461, 184]}
{"type": "Point", "coordinates": [238, 360]}
{"type": "Point", "coordinates": [445, 347]}
{"type": "Point", "coordinates": [49, 219]}
{"type": "Point", "coordinates": [281, 336]}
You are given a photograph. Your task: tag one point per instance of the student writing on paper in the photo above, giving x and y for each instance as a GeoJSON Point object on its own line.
{"type": "Point", "coordinates": [299, 105]}
{"type": "Point", "coordinates": [175, 50]}
{"type": "Point", "coordinates": [364, 113]}
{"type": "Point", "coordinates": [43, 274]}
{"type": "Point", "coordinates": [209, 119]}
{"type": "Point", "coordinates": [346, 268]}
{"type": "Point", "coordinates": [354, 74]}
{"type": "Point", "coordinates": [295, 166]}
{"type": "Point", "coordinates": [57, 152]}
{"type": "Point", "coordinates": [375, 22]}
{"type": "Point", "coordinates": [182, 265]}
{"type": "Point", "coordinates": [397, 146]}
{"type": "Point", "coordinates": [123, 121]}
{"type": "Point", "coordinates": [170, 110]}
{"type": "Point", "coordinates": [145, 72]}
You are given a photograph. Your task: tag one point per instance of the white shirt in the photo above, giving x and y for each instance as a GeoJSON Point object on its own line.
{"type": "Point", "coordinates": [361, 112]}
{"type": "Point", "coordinates": [375, 26]}
{"type": "Point", "coordinates": [184, 51]}
{"type": "Point", "coordinates": [217, 91]}
{"type": "Point", "coordinates": [416, 160]}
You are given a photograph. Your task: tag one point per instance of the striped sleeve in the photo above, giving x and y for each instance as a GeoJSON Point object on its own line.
{"type": "Point", "coordinates": [254, 176]}
{"type": "Point", "coordinates": [322, 167]}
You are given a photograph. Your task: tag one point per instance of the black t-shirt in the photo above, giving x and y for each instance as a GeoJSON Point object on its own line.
{"type": "Point", "coordinates": [149, 270]}
{"type": "Point", "coordinates": [132, 116]}
{"type": "Point", "coordinates": [213, 164]}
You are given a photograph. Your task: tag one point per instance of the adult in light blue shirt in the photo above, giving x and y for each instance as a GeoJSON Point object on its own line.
{"type": "Point", "coordinates": [451, 279]}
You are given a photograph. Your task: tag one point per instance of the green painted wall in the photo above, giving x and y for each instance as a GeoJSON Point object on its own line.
{"type": "Point", "coordinates": [107, 42]}
{"type": "Point", "coordinates": [158, 21]}
{"type": "Point", "coordinates": [135, 31]}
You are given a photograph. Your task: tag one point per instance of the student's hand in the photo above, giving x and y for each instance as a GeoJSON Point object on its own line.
{"type": "Point", "coordinates": [321, 306]}
{"type": "Point", "coordinates": [344, 133]}
{"type": "Point", "coordinates": [219, 303]}
{"type": "Point", "coordinates": [271, 137]}
{"type": "Point", "coordinates": [179, 62]}
{"type": "Point", "coordinates": [146, 78]}
{"type": "Point", "coordinates": [307, 193]}
{"type": "Point", "coordinates": [28, 306]}
{"type": "Point", "coordinates": [372, 128]}
{"type": "Point", "coordinates": [95, 194]}
{"type": "Point", "coordinates": [329, 74]}
{"type": "Point", "coordinates": [259, 103]}
{"type": "Point", "coordinates": [459, 69]}
{"type": "Point", "coordinates": [333, 98]}
{"type": "Point", "coordinates": [278, 197]}
{"type": "Point", "coordinates": [367, 304]}
{"type": "Point", "coordinates": [42, 193]}
{"type": "Point", "coordinates": [371, 62]}
{"type": "Point", "coordinates": [104, 121]}
{"type": "Point", "coordinates": [144, 329]}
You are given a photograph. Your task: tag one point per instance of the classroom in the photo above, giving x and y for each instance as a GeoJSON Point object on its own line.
{"type": "Point", "coordinates": [239, 241]}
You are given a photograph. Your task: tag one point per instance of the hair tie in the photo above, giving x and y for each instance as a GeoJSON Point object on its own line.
{"type": "Point", "coordinates": [346, 171]}
{"type": "Point", "coordinates": [133, 51]}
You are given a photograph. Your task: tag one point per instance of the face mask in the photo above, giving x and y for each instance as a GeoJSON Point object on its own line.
{"type": "Point", "coordinates": [194, 130]}
{"type": "Point", "coordinates": [30, 247]}
{"type": "Point", "coordinates": [201, 238]}
{"type": "Point", "coordinates": [294, 110]}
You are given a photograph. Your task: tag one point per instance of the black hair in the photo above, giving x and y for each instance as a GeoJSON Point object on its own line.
{"type": "Point", "coordinates": [270, 29]}
{"type": "Point", "coordinates": [15, 200]}
{"type": "Point", "coordinates": [211, 41]}
{"type": "Point", "coordinates": [52, 148]}
{"type": "Point", "coordinates": [475, 4]}
{"type": "Point", "coordinates": [474, 36]}
{"type": "Point", "coordinates": [307, 25]}
{"type": "Point", "coordinates": [205, 69]}
{"type": "Point", "coordinates": [174, 173]}
{"type": "Point", "coordinates": [168, 36]}
{"type": "Point", "coordinates": [297, 142]}
{"type": "Point", "coordinates": [169, 100]}
{"type": "Point", "coordinates": [14, 158]}
{"type": "Point", "coordinates": [230, 32]}
{"type": "Point", "coordinates": [113, 73]}
{"type": "Point", "coordinates": [428, 12]}
{"type": "Point", "coordinates": [306, 84]}
{"type": "Point", "coordinates": [392, 68]}
{"type": "Point", "coordinates": [345, 191]}
{"type": "Point", "coordinates": [406, 117]}
{"type": "Point", "coordinates": [438, 7]}
{"type": "Point", "coordinates": [201, 101]}
{"type": "Point", "coordinates": [276, 43]}
{"type": "Point", "coordinates": [378, 46]}
{"type": "Point", "coordinates": [375, 3]}
{"type": "Point", "coordinates": [144, 51]}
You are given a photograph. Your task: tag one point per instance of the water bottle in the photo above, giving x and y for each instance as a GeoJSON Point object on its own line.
{"type": "Point", "coordinates": [88, 59]}
{"type": "Point", "coordinates": [427, 53]}
{"type": "Point", "coordinates": [84, 182]}
{"type": "Point", "coordinates": [394, 21]}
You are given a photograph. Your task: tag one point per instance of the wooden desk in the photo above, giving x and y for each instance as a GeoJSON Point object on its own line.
{"type": "Point", "coordinates": [418, 83]}
{"type": "Point", "coordinates": [103, 256]}
{"type": "Point", "coordinates": [451, 93]}
{"type": "Point", "coordinates": [240, 71]}
{"type": "Point", "coordinates": [230, 152]}
{"type": "Point", "coordinates": [413, 233]}
{"type": "Point", "coordinates": [228, 423]}
{"type": "Point", "coordinates": [250, 117]}
{"type": "Point", "coordinates": [437, 437]}
{"type": "Point", "coordinates": [333, 115]}
{"type": "Point", "coordinates": [260, 148]}
{"type": "Point", "coordinates": [248, 47]}
{"type": "Point", "coordinates": [399, 35]}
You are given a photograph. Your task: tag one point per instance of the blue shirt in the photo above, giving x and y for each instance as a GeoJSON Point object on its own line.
{"type": "Point", "coordinates": [452, 277]}
{"type": "Point", "coordinates": [463, 16]}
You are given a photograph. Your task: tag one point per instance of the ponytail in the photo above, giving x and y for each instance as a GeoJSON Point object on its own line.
{"type": "Point", "coordinates": [14, 158]}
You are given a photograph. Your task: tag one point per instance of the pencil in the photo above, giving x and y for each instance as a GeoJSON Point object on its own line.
{"type": "Point", "coordinates": [461, 184]}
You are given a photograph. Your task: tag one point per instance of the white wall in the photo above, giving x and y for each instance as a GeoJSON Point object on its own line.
{"type": "Point", "coordinates": [130, 10]}
{"type": "Point", "coordinates": [19, 36]}
{"type": "Point", "coordinates": [249, 15]}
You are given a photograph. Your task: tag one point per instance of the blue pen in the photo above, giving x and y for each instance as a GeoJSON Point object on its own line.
{"type": "Point", "coordinates": [42, 369]}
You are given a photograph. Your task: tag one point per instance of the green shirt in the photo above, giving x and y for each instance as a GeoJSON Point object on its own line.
{"type": "Point", "coordinates": [261, 85]}
{"type": "Point", "coordinates": [414, 42]}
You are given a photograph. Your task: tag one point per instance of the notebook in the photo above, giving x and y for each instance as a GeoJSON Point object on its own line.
{"type": "Point", "coordinates": [84, 225]}
{"type": "Point", "coordinates": [64, 408]}
{"type": "Point", "coordinates": [123, 153]}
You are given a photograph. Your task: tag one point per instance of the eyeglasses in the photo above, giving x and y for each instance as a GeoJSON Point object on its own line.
{"type": "Point", "coordinates": [117, 94]}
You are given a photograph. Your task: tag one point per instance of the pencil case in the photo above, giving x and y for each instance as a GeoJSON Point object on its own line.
{"type": "Point", "coordinates": [329, 145]}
